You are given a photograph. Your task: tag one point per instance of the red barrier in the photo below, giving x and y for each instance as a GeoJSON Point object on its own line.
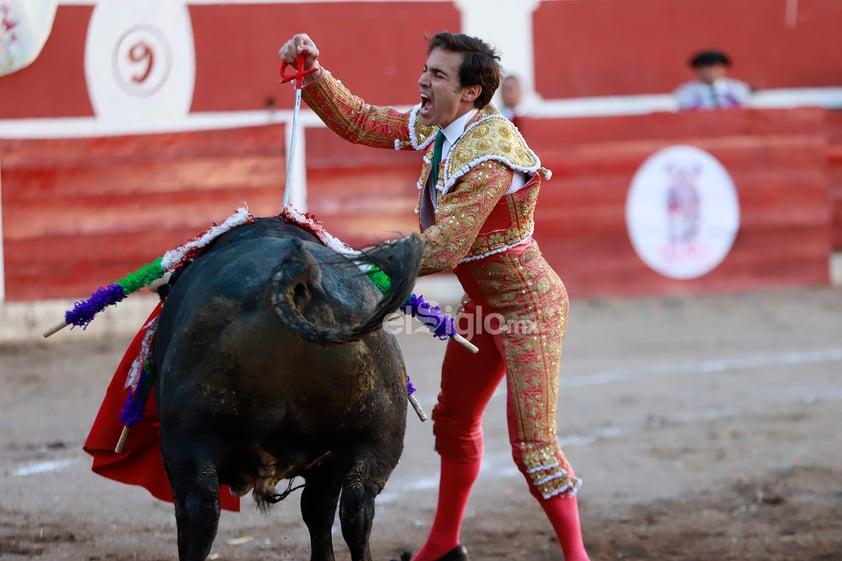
{"type": "Point", "coordinates": [84, 212]}
{"type": "Point", "coordinates": [363, 195]}
{"type": "Point", "coordinates": [834, 173]}
{"type": "Point", "coordinates": [81, 213]}
{"type": "Point", "coordinates": [776, 159]}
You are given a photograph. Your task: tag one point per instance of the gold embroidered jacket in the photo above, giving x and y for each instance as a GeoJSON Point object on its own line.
{"type": "Point", "coordinates": [474, 215]}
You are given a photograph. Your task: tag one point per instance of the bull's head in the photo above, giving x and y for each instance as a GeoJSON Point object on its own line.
{"type": "Point", "coordinates": [300, 273]}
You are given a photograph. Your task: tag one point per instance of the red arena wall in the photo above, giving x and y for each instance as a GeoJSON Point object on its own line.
{"type": "Point", "coordinates": [54, 85]}
{"type": "Point", "coordinates": [237, 43]}
{"type": "Point", "coordinates": [79, 212]}
{"type": "Point", "coordinates": [581, 49]}
{"type": "Point", "coordinates": [624, 47]}
{"type": "Point", "coordinates": [776, 159]}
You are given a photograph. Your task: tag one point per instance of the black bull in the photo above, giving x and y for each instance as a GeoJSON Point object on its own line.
{"type": "Point", "coordinates": [272, 364]}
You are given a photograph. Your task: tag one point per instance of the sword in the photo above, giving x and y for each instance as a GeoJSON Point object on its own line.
{"type": "Point", "coordinates": [298, 77]}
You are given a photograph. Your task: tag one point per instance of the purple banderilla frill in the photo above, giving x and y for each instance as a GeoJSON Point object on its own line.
{"type": "Point", "coordinates": [135, 404]}
{"type": "Point", "coordinates": [83, 311]}
{"type": "Point", "coordinates": [441, 325]}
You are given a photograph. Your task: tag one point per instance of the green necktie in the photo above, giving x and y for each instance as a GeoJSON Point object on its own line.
{"type": "Point", "coordinates": [437, 157]}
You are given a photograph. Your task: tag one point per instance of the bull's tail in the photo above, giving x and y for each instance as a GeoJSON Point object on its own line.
{"type": "Point", "coordinates": [297, 275]}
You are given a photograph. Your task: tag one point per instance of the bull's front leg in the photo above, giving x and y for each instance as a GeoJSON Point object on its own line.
{"type": "Point", "coordinates": [195, 487]}
{"type": "Point", "coordinates": [356, 509]}
{"type": "Point", "coordinates": [318, 509]}
{"type": "Point", "coordinates": [356, 513]}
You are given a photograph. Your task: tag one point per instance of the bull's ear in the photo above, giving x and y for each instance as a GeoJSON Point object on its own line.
{"type": "Point", "coordinates": [301, 295]}
{"type": "Point", "coordinates": [297, 274]}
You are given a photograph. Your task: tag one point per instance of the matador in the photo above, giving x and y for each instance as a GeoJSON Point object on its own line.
{"type": "Point", "coordinates": [477, 192]}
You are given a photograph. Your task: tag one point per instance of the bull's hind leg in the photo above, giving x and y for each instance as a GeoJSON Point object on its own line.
{"type": "Point", "coordinates": [356, 512]}
{"type": "Point", "coordinates": [195, 487]}
{"type": "Point", "coordinates": [318, 509]}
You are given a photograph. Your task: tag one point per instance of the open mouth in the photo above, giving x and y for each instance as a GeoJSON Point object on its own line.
{"type": "Point", "coordinates": [426, 104]}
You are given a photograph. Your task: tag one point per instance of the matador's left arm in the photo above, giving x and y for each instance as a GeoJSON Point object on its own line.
{"type": "Point", "coordinates": [461, 213]}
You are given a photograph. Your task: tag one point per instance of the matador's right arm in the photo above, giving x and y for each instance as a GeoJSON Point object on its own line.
{"type": "Point", "coordinates": [352, 118]}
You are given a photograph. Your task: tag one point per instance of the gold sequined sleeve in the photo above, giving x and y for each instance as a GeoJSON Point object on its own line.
{"type": "Point", "coordinates": [352, 118]}
{"type": "Point", "coordinates": [461, 213]}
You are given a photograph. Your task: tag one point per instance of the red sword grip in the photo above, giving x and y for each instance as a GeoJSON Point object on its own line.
{"type": "Point", "coordinates": [298, 76]}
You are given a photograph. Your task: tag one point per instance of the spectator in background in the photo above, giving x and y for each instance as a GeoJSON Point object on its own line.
{"type": "Point", "coordinates": [511, 98]}
{"type": "Point", "coordinates": [713, 89]}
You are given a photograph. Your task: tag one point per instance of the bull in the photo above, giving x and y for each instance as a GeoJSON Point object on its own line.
{"type": "Point", "coordinates": [272, 364]}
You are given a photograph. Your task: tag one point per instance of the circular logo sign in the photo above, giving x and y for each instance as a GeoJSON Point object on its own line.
{"type": "Point", "coordinates": [682, 212]}
{"type": "Point", "coordinates": [142, 60]}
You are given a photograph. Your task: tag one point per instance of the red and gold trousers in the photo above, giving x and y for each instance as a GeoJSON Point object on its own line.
{"type": "Point", "coordinates": [516, 313]}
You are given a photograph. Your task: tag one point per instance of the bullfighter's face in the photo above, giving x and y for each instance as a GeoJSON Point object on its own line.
{"type": "Point", "coordinates": [443, 98]}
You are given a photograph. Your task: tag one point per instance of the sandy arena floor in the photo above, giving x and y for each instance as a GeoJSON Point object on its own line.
{"type": "Point", "coordinates": [705, 428]}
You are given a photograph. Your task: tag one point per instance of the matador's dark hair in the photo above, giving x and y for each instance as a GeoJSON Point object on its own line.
{"type": "Point", "coordinates": [480, 67]}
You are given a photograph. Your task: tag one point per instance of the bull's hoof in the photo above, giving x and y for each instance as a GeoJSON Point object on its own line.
{"type": "Point", "coordinates": [458, 553]}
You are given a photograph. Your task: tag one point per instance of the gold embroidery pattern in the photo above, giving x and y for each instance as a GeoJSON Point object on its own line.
{"type": "Point", "coordinates": [481, 183]}
{"type": "Point", "coordinates": [352, 118]}
{"type": "Point", "coordinates": [492, 137]}
{"type": "Point", "coordinates": [460, 215]}
{"type": "Point", "coordinates": [488, 136]}
{"type": "Point", "coordinates": [422, 134]}
{"type": "Point", "coordinates": [546, 467]}
{"type": "Point", "coordinates": [521, 286]}
{"type": "Point", "coordinates": [517, 282]}
{"type": "Point", "coordinates": [520, 208]}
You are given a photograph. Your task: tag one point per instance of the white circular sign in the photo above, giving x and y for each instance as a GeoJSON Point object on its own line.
{"type": "Point", "coordinates": [140, 64]}
{"type": "Point", "coordinates": [142, 60]}
{"type": "Point", "coordinates": [682, 212]}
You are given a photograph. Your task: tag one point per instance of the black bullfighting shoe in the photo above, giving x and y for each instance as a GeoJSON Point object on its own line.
{"type": "Point", "coordinates": [458, 553]}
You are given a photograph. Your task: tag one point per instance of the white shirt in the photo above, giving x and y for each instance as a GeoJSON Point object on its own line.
{"type": "Point", "coordinates": [723, 93]}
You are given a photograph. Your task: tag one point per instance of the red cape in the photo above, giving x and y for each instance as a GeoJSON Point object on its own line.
{"type": "Point", "coordinates": [140, 462]}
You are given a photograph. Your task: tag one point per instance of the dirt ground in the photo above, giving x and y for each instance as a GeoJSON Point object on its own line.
{"type": "Point", "coordinates": [705, 428]}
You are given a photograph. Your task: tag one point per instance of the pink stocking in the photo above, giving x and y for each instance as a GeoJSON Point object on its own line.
{"type": "Point", "coordinates": [563, 512]}
{"type": "Point", "coordinates": [457, 479]}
